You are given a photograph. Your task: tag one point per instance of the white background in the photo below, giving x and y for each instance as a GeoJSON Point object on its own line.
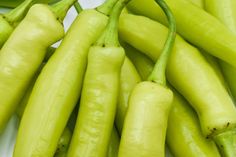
{"type": "Point", "coordinates": [7, 139]}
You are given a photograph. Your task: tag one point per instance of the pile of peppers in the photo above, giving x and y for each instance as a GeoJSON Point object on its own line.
{"type": "Point", "coordinates": [130, 78]}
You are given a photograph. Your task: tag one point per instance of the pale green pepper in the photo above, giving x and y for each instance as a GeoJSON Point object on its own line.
{"type": "Point", "coordinates": [184, 136]}
{"type": "Point", "coordinates": [18, 62]}
{"type": "Point", "coordinates": [188, 71]}
{"type": "Point", "coordinates": [225, 11]}
{"type": "Point", "coordinates": [195, 25]}
{"type": "Point", "coordinates": [58, 87]}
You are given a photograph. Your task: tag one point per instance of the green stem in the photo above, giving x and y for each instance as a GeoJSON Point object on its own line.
{"type": "Point", "coordinates": [60, 9]}
{"type": "Point", "coordinates": [158, 73]}
{"type": "Point", "coordinates": [17, 14]}
{"type": "Point", "coordinates": [106, 7]}
{"type": "Point", "coordinates": [78, 8]}
{"type": "Point", "coordinates": [226, 143]}
{"type": "Point", "coordinates": [110, 35]}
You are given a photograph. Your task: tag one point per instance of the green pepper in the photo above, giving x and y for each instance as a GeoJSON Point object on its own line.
{"type": "Point", "coordinates": [226, 13]}
{"type": "Point", "coordinates": [184, 136]}
{"type": "Point", "coordinates": [188, 71]}
{"type": "Point", "coordinates": [129, 77]}
{"type": "Point", "coordinates": [195, 25]}
{"type": "Point", "coordinates": [58, 87]}
{"type": "Point", "coordinates": [183, 124]}
{"type": "Point", "coordinates": [8, 21]}
{"type": "Point", "coordinates": [142, 63]}
{"type": "Point", "coordinates": [114, 144]}
{"type": "Point", "coordinates": [17, 62]}
{"type": "Point", "coordinates": [144, 129]}
{"type": "Point", "coordinates": [63, 143]}
{"type": "Point", "coordinates": [100, 92]}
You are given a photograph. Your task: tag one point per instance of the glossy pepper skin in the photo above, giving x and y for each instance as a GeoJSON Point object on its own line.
{"type": "Point", "coordinates": [9, 20]}
{"type": "Point", "coordinates": [187, 71]}
{"type": "Point", "coordinates": [18, 62]}
{"type": "Point", "coordinates": [57, 89]}
{"type": "Point", "coordinates": [152, 103]}
{"type": "Point", "coordinates": [184, 135]}
{"type": "Point", "coordinates": [195, 25]}
{"type": "Point", "coordinates": [63, 143]}
{"type": "Point", "coordinates": [225, 11]}
{"type": "Point", "coordinates": [98, 102]}
{"type": "Point", "coordinates": [144, 130]}
{"type": "Point", "coordinates": [142, 63]}
{"type": "Point", "coordinates": [5, 30]}
{"type": "Point", "coordinates": [114, 144]}
{"type": "Point", "coordinates": [129, 77]}
{"type": "Point", "coordinates": [100, 92]}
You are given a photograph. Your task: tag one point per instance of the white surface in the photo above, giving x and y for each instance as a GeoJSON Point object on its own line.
{"type": "Point", "coordinates": [7, 139]}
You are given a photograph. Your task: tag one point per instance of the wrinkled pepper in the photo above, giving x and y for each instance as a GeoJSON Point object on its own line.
{"type": "Point", "coordinates": [100, 92]}
{"type": "Point", "coordinates": [58, 87]}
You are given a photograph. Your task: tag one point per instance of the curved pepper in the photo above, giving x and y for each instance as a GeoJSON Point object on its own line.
{"type": "Point", "coordinates": [225, 11]}
{"type": "Point", "coordinates": [18, 62]}
{"type": "Point", "coordinates": [146, 120]}
{"type": "Point", "coordinates": [187, 70]}
{"type": "Point", "coordinates": [195, 25]}
{"type": "Point", "coordinates": [184, 136]}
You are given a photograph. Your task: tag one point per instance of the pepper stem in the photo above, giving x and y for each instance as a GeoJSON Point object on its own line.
{"type": "Point", "coordinates": [17, 14]}
{"type": "Point", "coordinates": [158, 73]}
{"type": "Point", "coordinates": [226, 142]}
{"type": "Point", "coordinates": [106, 7]}
{"type": "Point", "coordinates": [110, 35]}
{"type": "Point", "coordinates": [77, 6]}
{"type": "Point", "coordinates": [60, 9]}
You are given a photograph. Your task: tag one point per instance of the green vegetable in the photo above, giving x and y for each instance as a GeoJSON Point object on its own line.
{"type": "Point", "coordinates": [18, 62]}
{"type": "Point", "coordinates": [146, 120]}
{"type": "Point", "coordinates": [8, 21]}
{"type": "Point", "coordinates": [195, 25]}
{"type": "Point", "coordinates": [188, 71]}
{"type": "Point", "coordinates": [100, 92]}
{"type": "Point", "coordinates": [114, 144]}
{"type": "Point", "coordinates": [183, 124]}
{"type": "Point", "coordinates": [225, 11]}
{"type": "Point", "coordinates": [63, 143]}
{"type": "Point", "coordinates": [58, 87]}
{"type": "Point", "coordinates": [129, 77]}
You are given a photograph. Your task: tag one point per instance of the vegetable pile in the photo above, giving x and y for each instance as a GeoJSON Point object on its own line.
{"type": "Point", "coordinates": [130, 78]}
